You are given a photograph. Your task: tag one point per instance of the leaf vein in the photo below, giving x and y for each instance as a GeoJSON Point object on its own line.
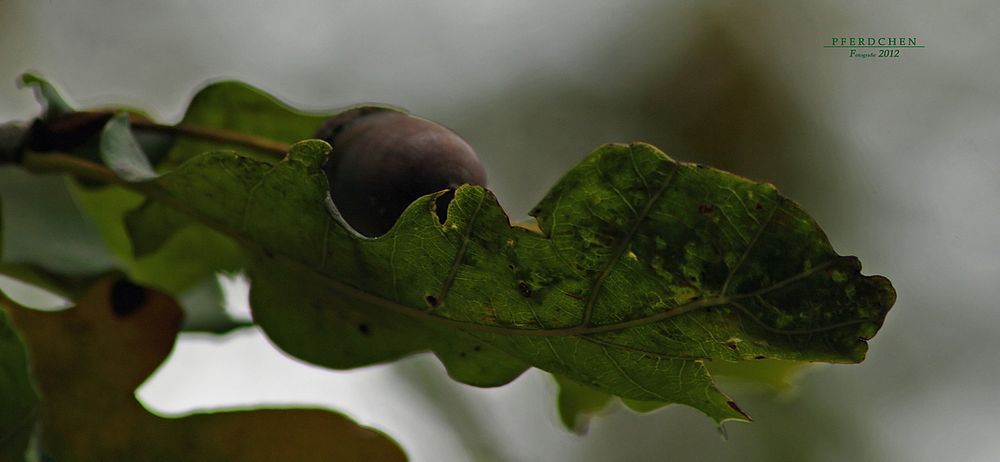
{"type": "Point", "coordinates": [588, 310]}
{"type": "Point", "coordinates": [611, 184]}
{"type": "Point", "coordinates": [628, 377]}
{"type": "Point", "coordinates": [635, 166]}
{"type": "Point", "coordinates": [460, 255]}
{"type": "Point", "coordinates": [750, 246]}
{"type": "Point", "coordinates": [251, 192]}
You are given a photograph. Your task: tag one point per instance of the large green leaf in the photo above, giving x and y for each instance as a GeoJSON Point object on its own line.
{"type": "Point", "coordinates": [645, 268]}
{"type": "Point", "coordinates": [87, 362]}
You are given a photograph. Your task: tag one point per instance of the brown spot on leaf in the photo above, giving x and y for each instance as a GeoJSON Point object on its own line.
{"type": "Point", "coordinates": [489, 315]}
{"type": "Point", "coordinates": [706, 209]}
{"type": "Point", "coordinates": [524, 289]}
{"type": "Point", "coordinates": [364, 329]}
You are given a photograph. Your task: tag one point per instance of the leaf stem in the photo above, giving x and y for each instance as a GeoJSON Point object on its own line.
{"type": "Point", "coordinates": [60, 162]}
{"type": "Point", "coordinates": [269, 146]}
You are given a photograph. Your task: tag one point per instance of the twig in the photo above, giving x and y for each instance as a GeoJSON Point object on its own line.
{"type": "Point", "coordinates": [272, 147]}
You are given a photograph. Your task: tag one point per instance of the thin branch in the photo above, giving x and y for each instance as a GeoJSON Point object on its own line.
{"type": "Point", "coordinates": [272, 147]}
{"type": "Point", "coordinates": [59, 162]}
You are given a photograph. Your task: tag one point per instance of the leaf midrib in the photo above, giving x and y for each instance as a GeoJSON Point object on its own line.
{"type": "Point", "coordinates": [580, 329]}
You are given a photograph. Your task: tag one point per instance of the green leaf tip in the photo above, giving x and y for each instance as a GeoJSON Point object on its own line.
{"type": "Point", "coordinates": [121, 152]}
{"type": "Point", "coordinates": [578, 404]}
{"type": "Point", "coordinates": [52, 101]}
{"type": "Point", "coordinates": [309, 153]}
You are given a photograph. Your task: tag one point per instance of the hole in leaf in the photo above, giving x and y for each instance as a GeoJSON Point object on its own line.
{"type": "Point", "coordinates": [364, 329]}
{"type": "Point", "coordinates": [126, 297]}
{"type": "Point", "coordinates": [524, 289]}
{"type": "Point", "coordinates": [432, 301]}
{"type": "Point", "coordinates": [441, 205]}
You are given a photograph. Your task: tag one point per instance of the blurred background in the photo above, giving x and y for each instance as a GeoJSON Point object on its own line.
{"type": "Point", "coordinates": [897, 159]}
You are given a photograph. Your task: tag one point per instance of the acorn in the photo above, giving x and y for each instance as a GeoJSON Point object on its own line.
{"type": "Point", "coordinates": [383, 159]}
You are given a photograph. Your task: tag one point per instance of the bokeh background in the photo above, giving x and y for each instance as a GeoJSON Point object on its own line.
{"type": "Point", "coordinates": [898, 160]}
